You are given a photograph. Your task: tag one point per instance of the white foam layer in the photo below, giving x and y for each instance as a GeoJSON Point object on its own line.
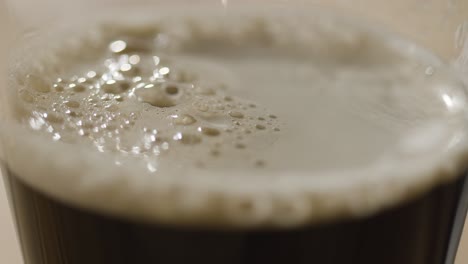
{"type": "Point", "coordinates": [344, 121]}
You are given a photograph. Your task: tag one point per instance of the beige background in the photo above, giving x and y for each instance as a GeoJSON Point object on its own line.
{"type": "Point", "coordinates": [10, 253]}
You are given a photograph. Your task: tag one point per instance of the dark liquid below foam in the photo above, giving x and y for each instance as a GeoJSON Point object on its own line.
{"type": "Point", "coordinates": [54, 233]}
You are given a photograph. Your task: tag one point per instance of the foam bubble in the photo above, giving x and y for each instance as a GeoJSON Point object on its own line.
{"type": "Point", "coordinates": [38, 83]}
{"type": "Point", "coordinates": [236, 114]}
{"type": "Point", "coordinates": [53, 118]}
{"type": "Point", "coordinates": [72, 104]}
{"type": "Point", "coordinates": [115, 87]}
{"type": "Point", "coordinates": [184, 119]}
{"type": "Point", "coordinates": [26, 96]}
{"type": "Point", "coordinates": [79, 88]}
{"type": "Point", "coordinates": [209, 131]}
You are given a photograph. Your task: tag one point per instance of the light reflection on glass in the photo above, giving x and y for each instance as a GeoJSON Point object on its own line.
{"type": "Point", "coordinates": [448, 101]}
{"type": "Point", "coordinates": [177, 136]}
{"type": "Point", "coordinates": [151, 167]}
{"type": "Point", "coordinates": [453, 102]}
{"type": "Point", "coordinates": [455, 141]}
{"type": "Point", "coordinates": [99, 143]}
{"type": "Point", "coordinates": [165, 146]}
{"type": "Point", "coordinates": [136, 150]}
{"type": "Point", "coordinates": [56, 137]}
{"type": "Point", "coordinates": [36, 123]}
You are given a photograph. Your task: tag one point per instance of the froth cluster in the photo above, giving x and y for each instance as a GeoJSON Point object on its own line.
{"type": "Point", "coordinates": [137, 100]}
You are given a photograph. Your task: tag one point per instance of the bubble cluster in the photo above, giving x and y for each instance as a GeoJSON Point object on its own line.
{"type": "Point", "coordinates": [137, 101]}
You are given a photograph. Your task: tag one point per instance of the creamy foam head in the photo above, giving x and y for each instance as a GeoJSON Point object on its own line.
{"type": "Point", "coordinates": [242, 120]}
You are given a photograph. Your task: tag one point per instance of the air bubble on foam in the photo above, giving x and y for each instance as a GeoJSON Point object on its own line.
{"type": "Point", "coordinates": [129, 70]}
{"type": "Point", "coordinates": [187, 138]}
{"type": "Point", "coordinates": [134, 59]}
{"type": "Point", "coordinates": [184, 119]}
{"type": "Point", "coordinates": [125, 67]}
{"type": "Point", "coordinates": [165, 145]}
{"type": "Point", "coordinates": [209, 131]}
{"type": "Point", "coordinates": [91, 74]}
{"type": "Point", "coordinates": [219, 107]}
{"type": "Point", "coordinates": [59, 88]}
{"type": "Point", "coordinates": [38, 83]}
{"type": "Point", "coordinates": [236, 114]}
{"type": "Point", "coordinates": [164, 71]}
{"type": "Point", "coordinates": [72, 104]}
{"type": "Point", "coordinates": [172, 90]}
{"type": "Point", "coordinates": [87, 125]}
{"type": "Point", "coordinates": [74, 114]}
{"type": "Point", "coordinates": [112, 108]}
{"type": "Point", "coordinates": [202, 107]}
{"type": "Point", "coordinates": [115, 87]}
{"type": "Point", "coordinates": [155, 96]}
{"type": "Point", "coordinates": [26, 96]}
{"type": "Point", "coordinates": [118, 46]}
{"type": "Point", "coordinates": [53, 118]}
{"type": "Point", "coordinates": [111, 127]}
{"type": "Point", "coordinates": [79, 88]}
{"type": "Point", "coordinates": [82, 80]}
